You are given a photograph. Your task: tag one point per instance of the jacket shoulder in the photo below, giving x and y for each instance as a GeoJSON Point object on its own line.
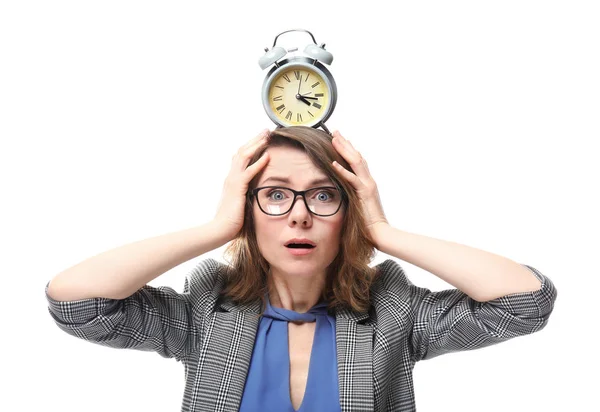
{"type": "Point", "coordinates": [391, 278]}
{"type": "Point", "coordinates": [392, 291]}
{"type": "Point", "coordinates": [205, 282]}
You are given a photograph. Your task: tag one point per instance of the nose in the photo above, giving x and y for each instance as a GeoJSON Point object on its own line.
{"type": "Point", "coordinates": [299, 211]}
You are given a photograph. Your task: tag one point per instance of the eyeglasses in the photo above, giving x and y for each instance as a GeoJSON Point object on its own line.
{"type": "Point", "coordinates": [278, 200]}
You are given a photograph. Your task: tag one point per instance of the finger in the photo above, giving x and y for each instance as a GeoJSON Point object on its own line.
{"type": "Point", "coordinates": [249, 151]}
{"type": "Point", "coordinates": [243, 155]}
{"type": "Point", "coordinates": [361, 158]}
{"type": "Point", "coordinates": [255, 167]}
{"type": "Point", "coordinates": [259, 137]}
{"type": "Point", "coordinates": [351, 155]}
{"type": "Point", "coordinates": [343, 143]}
{"type": "Point", "coordinates": [354, 158]}
{"type": "Point", "coordinates": [349, 176]}
{"type": "Point", "coordinates": [264, 133]}
{"type": "Point", "coordinates": [346, 143]}
{"type": "Point", "coordinates": [339, 136]}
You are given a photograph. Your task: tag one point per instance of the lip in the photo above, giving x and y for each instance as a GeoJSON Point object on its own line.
{"type": "Point", "coordinates": [300, 252]}
{"type": "Point", "coordinates": [300, 240]}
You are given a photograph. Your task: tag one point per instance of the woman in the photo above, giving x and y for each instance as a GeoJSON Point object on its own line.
{"type": "Point", "coordinates": [288, 326]}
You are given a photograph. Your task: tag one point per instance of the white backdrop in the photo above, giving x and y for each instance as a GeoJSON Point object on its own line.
{"type": "Point", "coordinates": [118, 121]}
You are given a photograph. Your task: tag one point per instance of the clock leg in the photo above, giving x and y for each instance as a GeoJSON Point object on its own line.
{"type": "Point", "coordinates": [325, 128]}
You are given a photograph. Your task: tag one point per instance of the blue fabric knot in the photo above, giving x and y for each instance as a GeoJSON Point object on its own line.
{"type": "Point", "coordinates": [267, 387]}
{"type": "Point", "coordinates": [320, 309]}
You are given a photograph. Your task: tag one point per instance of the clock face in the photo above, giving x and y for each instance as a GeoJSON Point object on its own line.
{"type": "Point", "coordinates": [298, 96]}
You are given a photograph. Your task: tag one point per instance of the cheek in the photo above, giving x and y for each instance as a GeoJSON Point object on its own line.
{"type": "Point", "coordinates": [259, 220]}
{"type": "Point", "coordinates": [335, 237]}
{"type": "Point", "coordinates": [264, 233]}
{"type": "Point", "coordinates": [261, 232]}
{"type": "Point", "coordinates": [339, 226]}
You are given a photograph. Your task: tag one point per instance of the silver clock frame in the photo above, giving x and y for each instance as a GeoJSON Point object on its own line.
{"type": "Point", "coordinates": [308, 63]}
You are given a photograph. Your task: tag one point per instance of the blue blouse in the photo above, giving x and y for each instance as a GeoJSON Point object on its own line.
{"type": "Point", "coordinates": [268, 381]}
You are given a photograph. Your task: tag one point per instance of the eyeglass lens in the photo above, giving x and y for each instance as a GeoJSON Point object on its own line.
{"type": "Point", "coordinates": [277, 201]}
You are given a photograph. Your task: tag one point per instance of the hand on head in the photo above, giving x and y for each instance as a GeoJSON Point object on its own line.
{"type": "Point", "coordinates": [230, 213]}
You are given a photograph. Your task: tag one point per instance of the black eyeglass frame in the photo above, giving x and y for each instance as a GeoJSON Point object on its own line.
{"type": "Point", "coordinates": [253, 192]}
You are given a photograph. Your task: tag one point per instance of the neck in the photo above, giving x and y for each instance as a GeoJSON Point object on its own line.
{"type": "Point", "coordinates": [297, 293]}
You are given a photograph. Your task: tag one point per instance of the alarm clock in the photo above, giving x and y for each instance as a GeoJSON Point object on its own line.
{"type": "Point", "coordinates": [298, 90]}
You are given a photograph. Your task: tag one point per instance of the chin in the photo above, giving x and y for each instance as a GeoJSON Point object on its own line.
{"type": "Point", "coordinates": [301, 266]}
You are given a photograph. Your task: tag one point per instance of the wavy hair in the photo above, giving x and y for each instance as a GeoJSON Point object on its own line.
{"type": "Point", "coordinates": [349, 277]}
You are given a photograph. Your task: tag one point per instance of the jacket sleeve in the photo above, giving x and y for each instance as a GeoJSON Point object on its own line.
{"type": "Point", "coordinates": [450, 321]}
{"type": "Point", "coordinates": [155, 319]}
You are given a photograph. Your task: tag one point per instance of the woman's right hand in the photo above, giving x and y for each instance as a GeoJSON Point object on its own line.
{"type": "Point", "coordinates": [230, 213]}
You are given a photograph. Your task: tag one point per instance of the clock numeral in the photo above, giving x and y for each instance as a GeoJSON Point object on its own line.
{"type": "Point", "coordinates": [277, 98]}
{"type": "Point", "coordinates": [318, 94]}
{"type": "Point", "coordinates": [280, 87]}
{"type": "Point", "coordinates": [308, 74]}
{"type": "Point", "coordinates": [311, 115]}
{"type": "Point", "coordinates": [281, 108]}
{"type": "Point", "coordinates": [297, 74]}
{"type": "Point", "coordinates": [315, 85]}
{"type": "Point", "coordinates": [285, 76]}
{"type": "Point", "coordinates": [299, 117]}
{"type": "Point", "coordinates": [317, 105]}
{"type": "Point", "coordinates": [288, 116]}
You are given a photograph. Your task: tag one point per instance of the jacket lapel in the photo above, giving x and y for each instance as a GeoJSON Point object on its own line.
{"type": "Point", "coordinates": [354, 342]}
{"type": "Point", "coordinates": [227, 352]}
{"type": "Point", "coordinates": [232, 333]}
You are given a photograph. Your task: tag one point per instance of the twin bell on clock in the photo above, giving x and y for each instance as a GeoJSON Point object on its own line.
{"type": "Point", "coordinates": [298, 91]}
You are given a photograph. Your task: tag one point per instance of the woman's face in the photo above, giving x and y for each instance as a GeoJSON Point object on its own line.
{"type": "Point", "coordinates": [272, 232]}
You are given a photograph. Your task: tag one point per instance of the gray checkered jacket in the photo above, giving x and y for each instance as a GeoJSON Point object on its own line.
{"type": "Point", "coordinates": [376, 351]}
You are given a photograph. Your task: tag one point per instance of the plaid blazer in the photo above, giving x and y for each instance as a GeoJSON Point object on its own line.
{"type": "Point", "coordinates": [376, 351]}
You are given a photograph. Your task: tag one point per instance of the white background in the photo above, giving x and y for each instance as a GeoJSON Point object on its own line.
{"type": "Point", "coordinates": [479, 122]}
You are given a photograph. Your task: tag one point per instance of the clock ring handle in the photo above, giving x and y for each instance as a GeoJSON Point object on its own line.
{"type": "Point", "coordinates": [287, 31]}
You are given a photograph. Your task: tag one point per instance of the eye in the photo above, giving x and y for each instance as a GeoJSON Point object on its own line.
{"type": "Point", "coordinates": [325, 195]}
{"type": "Point", "coordinates": [276, 192]}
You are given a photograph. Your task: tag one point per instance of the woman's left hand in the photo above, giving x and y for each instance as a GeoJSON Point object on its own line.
{"type": "Point", "coordinates": [362, 181]}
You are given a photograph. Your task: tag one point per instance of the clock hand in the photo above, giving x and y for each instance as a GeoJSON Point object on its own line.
{"type": "Point", "coordinates": [313, 98]}
{"type": "Point", "coordinates": [299, 84]}
{"type": "Point", "coordinates": [302, 98]}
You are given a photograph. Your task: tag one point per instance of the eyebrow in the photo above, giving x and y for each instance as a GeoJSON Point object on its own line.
{"type": "Point", "coordinates": [279, 179]}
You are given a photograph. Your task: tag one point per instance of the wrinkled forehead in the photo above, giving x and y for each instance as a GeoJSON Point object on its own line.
{"type": "Point", "coordinates": [293, 168]}
{"type": "Point", "coordinates": [295, 181]}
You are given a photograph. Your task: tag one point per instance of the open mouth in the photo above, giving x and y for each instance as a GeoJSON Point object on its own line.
{"type": "Point", "coordinates": [299, 246]}
{"type": "Point", "coordinates": [300, 249]}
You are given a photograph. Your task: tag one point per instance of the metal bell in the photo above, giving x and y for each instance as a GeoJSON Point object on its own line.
{"type": "Point", "coordinates": [319, 53]}
{"type": "Point", "coordinates": [271, 56]}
